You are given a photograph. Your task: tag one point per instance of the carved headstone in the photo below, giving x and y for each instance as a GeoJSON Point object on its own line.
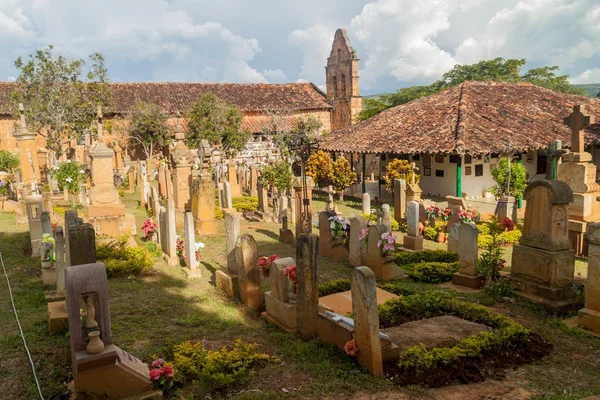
{"type": "Point", "coordinates": [468, 257]}
{"type": "Point", "coordinates": [356, 247]}
{"type": "Point", "coordinates": [307, 303]}
{"type": "Point", "coordinates": [366, 203]}
{"type": "Point", "coordinates": [190, 243]}
{"type": "Point", "coordinates": [399, 199]}
{"type": "Point", "coordinates": [249, 273]}
{"type": "Point", "coordinates": [413, 239]}
{"type": "Point", "coordinates": [589, 316]}
{"type": "Point", "coordinates": [280, 309]}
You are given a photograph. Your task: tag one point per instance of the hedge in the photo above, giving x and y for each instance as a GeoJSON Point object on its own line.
{"type": "Point", "coordinates": [434, 272]}
{"type": "Point", "coordinates": [407, 257]}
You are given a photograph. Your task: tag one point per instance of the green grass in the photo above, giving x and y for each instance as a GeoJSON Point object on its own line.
{"type": "Point", "coordinates": [152, 313]}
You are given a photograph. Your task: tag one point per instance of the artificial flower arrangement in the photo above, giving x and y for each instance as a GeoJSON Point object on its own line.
{"type": "Point", "coordinates": [467, 216]}
{"type": "Point", "coordinates": [5, 180]}
{"type": "Point", "coordinates": [180, 249]}
{"type": "Point", "coordinates": [162, 375]}
{"type": "Point", "coordinates": [290, 273]}
{"type": "Point", "coordinates": [264, 263]}
{"type": "Point", "coordinates": [364, 235]}
{"type": "Point", "coordinates": [507, 224]}
{"type": "Point", "coordinates": [433, 211]}
{"type": "Point", "coordinates": [149, 228]}
{"type": "Point", "coordinates": [48, 254]}
{"type": "Point", "coordinates": [339, 225]}
{"type": "Point", "coordinates": [387, 242]}
{"type": "Point", "coordinates": [351, 348]}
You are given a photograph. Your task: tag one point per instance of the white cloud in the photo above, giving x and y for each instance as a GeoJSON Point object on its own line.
{"type": "Point", "coordinates": [315, 43]}
{"type": "Point", "coordinates": [588, 76]}
{"type": "Point", "coordinates": [275, 75]}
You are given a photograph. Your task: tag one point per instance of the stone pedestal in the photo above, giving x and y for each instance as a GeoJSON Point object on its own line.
{"type": "Point", "coordinates": [506, 207]}
{"type": "Point", "coordinates": [182, 176]}
{"type": "Point", "coordinates": [203, 205]}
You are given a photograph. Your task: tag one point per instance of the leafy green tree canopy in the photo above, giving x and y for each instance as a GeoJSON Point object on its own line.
{"type": "Point", "coordinates": [498, 69]}
{"type": "Point", "coordinates": [211, 118]}
{"type": "Point", "coordinates": [60, 94]}
{"type": "Point", "coordinates": [148, 127]}
{"type": "Point", "coordinates": [511, 179]}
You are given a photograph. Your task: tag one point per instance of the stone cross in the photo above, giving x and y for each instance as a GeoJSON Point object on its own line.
{"type": "Point", "coordinates": [307, 303]}
{"type": "Point", "coordinates": [578, 121]}
{"type": "Point", "coordinates": [99, 115]}
{"type": "Point", "coordinates": [555, 151]}
{"type": "Point", "coordinates": [366, 320]}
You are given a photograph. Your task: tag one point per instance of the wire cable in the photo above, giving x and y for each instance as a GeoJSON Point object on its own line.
{"type": "Point", "coordinates": [12, 300]}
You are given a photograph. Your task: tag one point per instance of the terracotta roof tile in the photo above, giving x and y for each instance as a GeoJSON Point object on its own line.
{"type": "Point", "coordinates": [482, 117]}
{"type": "Point", "coordinates": [173, 97]}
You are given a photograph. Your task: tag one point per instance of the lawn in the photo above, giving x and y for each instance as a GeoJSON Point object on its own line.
{"type": "Point", "coordinates": [152, 313]}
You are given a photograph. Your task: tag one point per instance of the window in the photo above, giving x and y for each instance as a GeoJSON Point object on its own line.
{"type": "Point", "coordinates": [439, 158]}
{"type": "Point", "coordinates": [439, 173]}
{"type": "Point", "coordinates": [343, 85]}
{"type": "Point", "coordinates": [427, 160]}
{"type": "Point", "coordinates": [542, 164]}
{"type": "Point", "coordinates": [335, 86]}
{"type": "Point", "coordinates": [479, 170]}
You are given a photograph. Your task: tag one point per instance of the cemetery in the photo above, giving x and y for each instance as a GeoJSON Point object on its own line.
{"type": "Point", "coordinates": [249, 267]}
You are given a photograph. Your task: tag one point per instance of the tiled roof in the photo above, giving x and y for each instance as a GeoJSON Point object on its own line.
{"type": "Point", "coordinates": [173, 97]}
{"type": "Point", "coordinates": [480, 117]}
{"type": "Point", "coordinates": [254, 123]}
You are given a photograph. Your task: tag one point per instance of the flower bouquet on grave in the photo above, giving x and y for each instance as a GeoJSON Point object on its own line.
{"type": "Point", "coordinates": [162, 376]}
{"type": "Point", "coordinates": [507, 224]}
{"type": "Point", "coordinates": [444, 216]}
{"type": "Point", "coordinates": [364, 236]}
{"type": "Point", "coordinates": [339, 228]}
{"type": "Point", "coordinates": [433, 212]}
{"type": "Point", "coordinates": [466, 216]}
{"type": "Point", "coordinates": [180, 249]}
{"type": "Point", "coordinates": [198, 246]}
{"type": "Point", "coordinates": [264, 263]}
{"type": "Point", "coordinates": [387, 243]}
{"type": "Point", "coordinates": [290, 273]}
{"type": "Point", "coordinates": [149, 229]}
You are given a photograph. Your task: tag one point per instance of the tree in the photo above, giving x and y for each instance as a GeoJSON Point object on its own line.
{"type": "Point", "coordinates": [8, 164]}
{"type": "Point", "coordinates": [399, 169]}
{"type": "Point", "coordinates": [342, 176]}
{"type": "Point", "coordinates": [282, 134]}
{"type": "Point", "coordinates": [318, 167]}
{"type": "Point", "coordinates": [60, 95]}
{"type": "Point", "coordinates": [279, 174]}
{"type": "Point", "coordinates": [498, 69]}
{"type": "Point", "coordinates": [148, 127]}
{"type": "Point", "coordinates": [213, 119]}
{"type": "Point", "coordinates": [510, 178]}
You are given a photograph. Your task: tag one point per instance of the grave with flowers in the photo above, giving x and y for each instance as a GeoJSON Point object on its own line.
{"type": "Point", "coordinates": [380, 242]}
{"type": "Point", "coordinates": [280, 301]}
{"type": "Point", "coordinates": [333, 235]}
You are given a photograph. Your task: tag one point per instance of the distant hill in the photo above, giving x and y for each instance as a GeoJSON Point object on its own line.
{"type": "Point", "coordinates": [592, 88]}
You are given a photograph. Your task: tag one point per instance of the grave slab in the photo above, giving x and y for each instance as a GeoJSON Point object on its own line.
{"type": "Point", "coordinates": [341, 303]}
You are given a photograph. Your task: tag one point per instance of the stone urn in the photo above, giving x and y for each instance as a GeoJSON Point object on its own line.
{"type": "Point", "coordinates": [95, 346]}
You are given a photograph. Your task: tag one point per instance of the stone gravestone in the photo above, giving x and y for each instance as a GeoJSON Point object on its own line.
{"type": "Point", "coordinates": [453, 238]}
{"type": "Point", "coordinates": [169, 234]}
{"type": "Point", "coordinates": [455, 204]}
{"type": "Point", "coordinates": [203, 203]}
{"type": "Point", "coordinates": [330, 246]}
{"type": "Point", "coordinates": [155, 201]}
{"type": "Point", "coordinates": [413, 240]}
{"type": "Point", "coordinates": [227, 196]}
{"type": "Point", "coordinates": [220, 189]}
{"type": "Point", "coordinates": [249, 272]}
{"type": "Point", "coordinates": [542, 265]}
{"type": "Point", "coordinates": [356, 248]}
{"type": "Point", "coordinates": [190, 246]}
{"type": "Point", "coordinates": [589, 316]}
{"type": "Point", "coordinates": [47, 250]}
{"type": "Point", "coordinates": [399, 199]}
{"type": "Point", "coordinates": [366, 203]}
{"type": "Point", "coordinates": [35, 206]}
{"type": "Point", "coordinates": [280, 301]}
{"type": "Point", "coordinates": [307, 302]}
{"type": "Point", "coordinates": [59, 239]}
{"type": "Point", "coordinates": [263, 201]}
{"type": "Point", "coordinates": [285, 233]}
{"type": "Point", "coordinates": [366, 320]}
{"type": "Point", "coordinates": [253, 181]}
{"type": "Point", "coordinates": [468, 258]}
{"type": "Point", "coordinates": [386, 217]}
{"type": "Point", "coordinates": [107, 371]}
{"type": "Point", "coordinates": [71, 218]}
{"type": "Point", "coordinates": [228, 281]}
{"type": "Point", "coordinates": [506, 207]}
{"type": "Point", "coordinates": [383, 266]}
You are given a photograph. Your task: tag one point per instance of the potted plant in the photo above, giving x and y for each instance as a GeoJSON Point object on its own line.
{"type": "Point", "coordinates": [444, 217]}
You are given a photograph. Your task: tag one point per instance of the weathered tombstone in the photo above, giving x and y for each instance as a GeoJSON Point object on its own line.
{"type": "Point", "coordinates": [383, 266]}
{"type": "Point", "coordinates": [249, 272]}
{"type": "Point", "coordinates": [285, 233]}
{"type": "Point", "coordinates": [413, 240]}
{"type": "Point", "coordinates": [455, 204]}
{"type": "Point", "coordinates": [228, 281]}
{"type": "Point", "coordinates": [35, 206]}
{"type": "Point", "coordinates": [453, 238]}
{"type": "Point", "coordinates": [366, 203]}
{"type": "Point", "coordinates": [356, 247]}
{"type": "Point", "coordinates": [227, 195]}
{"type": "Point", "coordinates": [59, 239]}
{"type": "Point", "coordinates": [253, 181]}
{"type": "Point", "coordinates": [155, 201]}
{"type": "Point", "coordinates": [263, 201]}
{"type": "Point", "coordinates": [303, 199]}
{"type": "Point", "coordinates": [468, 258]}
{"type": "Point", "coordinates": [506, 206]}
{"type": "Point", "coordinates": [47, 246]}
{"type": "Point", "coordinates": [307, 302]}
{"type": "Point", "coordinates": [169, 239]}
{"type": "Point", "coordinates": [220, 189]}
{"type": "Point", "coordinates": [589, 316]}
{"type": "Point", "coordinates": [386, 217]}
{"type": "Point", "coordinates": [399, 199]}
{"type": "Point", "coordinates": [542, 266]}
{"type": "Point", "coordinates": [366, 320]}
{"type": "Point", "coordinates": [280, 301]}
{"type": "Point", "coordinates": [99, 367]}
{"type": "Point", "coordinates": [190, 246]}
{"type": "Point", "coordinates": [71, 218]}
{"type": "Point", "coordinates": [292, 212]}
{"type": "Point", "coordinates": [234, 185]}
{"type": "Point", "coordinates": [82, 244]}
{"type": "Point", "coordinates": [181, 157]}
{"type": "Point", "coordinates": [329, 245]}
{"type": "Point", "coordinates": [203, 202]}
{"type": "Point", "coordinates": [162, 182]}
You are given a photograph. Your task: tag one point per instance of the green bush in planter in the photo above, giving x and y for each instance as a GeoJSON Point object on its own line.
{"type": "Point", "coordinates": [434, 272]}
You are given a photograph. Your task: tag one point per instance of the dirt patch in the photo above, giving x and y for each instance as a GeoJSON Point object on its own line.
{"type": "Point", "coordinates": [443, 331]}
{"type": "Point", "coordinates": [492, 365]}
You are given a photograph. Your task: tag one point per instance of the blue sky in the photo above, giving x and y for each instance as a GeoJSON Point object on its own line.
{"type": "Point", "coordinates": [400, 42]}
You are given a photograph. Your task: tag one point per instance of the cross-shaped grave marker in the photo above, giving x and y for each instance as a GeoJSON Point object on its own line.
{"type": "Point", "coordinates": [578, 121]}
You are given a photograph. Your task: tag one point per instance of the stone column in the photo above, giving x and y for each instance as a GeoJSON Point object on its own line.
{"type": "Point", "coordinates": [249, 276]}
{"type": "Point", "coordinates": [307, 303]}
{"type": "Point", "coordinates": [30, 169]}
{"type": "Point", "coordinates": [356, 247]}
{"type": "Point", "coordinates": [298, 186]}
{"type": "Point", "coordinates": [468, 258]}
{"type": "Point", "coordinates": [253, 181]}
{"type": "Point", "coordinates": [203, 204]}
{"type": "Point", "coordinates": [182, 174]}
{"type": "Point", "coordinates": [233, 181]}
{"type": "Point", "coordinates": [506, 207]}
{"type": "Point", "coordinates": [366, 320]}
{"type": "Point", "coordinates": [366, 203]}
{"type": "Point", "coordinates": [589, 316]}
{"type": "Point", "coordinates": [399, 199]}
{"type": "Point", "coordinates": [190, 244]}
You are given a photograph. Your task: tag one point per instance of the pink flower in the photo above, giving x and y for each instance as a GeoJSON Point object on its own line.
{"type": "Point", "coordinates": [157, 363]}
{"type": "Point", "coordinates": [155, 374]}
{"type": "Point", "coordinates": [168, 371]}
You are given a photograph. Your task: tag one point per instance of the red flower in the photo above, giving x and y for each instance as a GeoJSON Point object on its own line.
{"type": "Point", "coordinates": [157, 363]}
{"type": "Point", "coordinates": [350, 348]}
{"type": "Point", "coordinates": [168, 371]}
{"type": "Point", "coordinates": [155, 374]}
{"type": "Point", "coordinates": [263, 261]}
{"type": "Point", "coordinates": [273, 258]}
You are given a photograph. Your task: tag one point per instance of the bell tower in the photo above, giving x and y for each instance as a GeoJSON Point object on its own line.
{"type": "Point", "coordinates": [342, 82]}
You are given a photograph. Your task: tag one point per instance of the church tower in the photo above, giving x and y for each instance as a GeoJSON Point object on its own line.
{"type": "Point", "coordinates": [342, 82]}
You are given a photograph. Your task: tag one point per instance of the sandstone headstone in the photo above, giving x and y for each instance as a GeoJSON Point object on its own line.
{"type": "Point", "coordinates": [455, 204]}
{"type": "Point", "coordinates": [35, 206]}
{"type": "Point", "coordinates": [59, 238]}
{"type": "Point", "coordinates": [366, 203]}
{"type": "Point", "coordinates": [280, 309]}
{"type": "Point", "coordinates": [356, 247]}
{"type": "Point", "coordinates": [285, 233]}
{"type": "Point", "coordinates": [232, 233]}
{"type": "Point", "coordinates": [383, 266]}
{"type": "Point", "coordinates": [190, 244]}
{"type": "Point", "coordinates": [329, 245]}
{"type": "Point", "coordinates": [307, 303]}
{"type": "Point", "coordinates": [589, 316]}
{"type": "Point", "coordinates": [82, 244]}
{"type": "Point", "coordinates": [386, 217]}
{"type": "Point", "coordinates": [227, 195]}
{"type": "Point", "coordinates": [399, 199]}
{"type": "Point", "coordinates": [453, 238]}
{"type": "Point", "coordinates": [413, 239]}
{"type": "Point", "coordinates": [468, 257]}
{"type": "Point", "coordinates": [366, 320]}
{"type": "Point", "coordinates": [249, 272]}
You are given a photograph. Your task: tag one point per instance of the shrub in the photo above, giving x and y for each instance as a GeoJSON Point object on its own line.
{"type": "Point", "coordinates": [153, 248]}
{"type": "Point", "coordinates": [219, 214]}
{"type": "Point", "coordinates": [405, 257]}
{"type": "Point", "coordinates": [399, 169]}
{"type": "Point", "coordinates": [217, 369]}
{"type": "Point", "coordinates": [335, 286]}
{"type": "Point", "coordinates": [69, 175]}
{"type": "Point", "coordinates": [516, 178]}
{"type": "Point", "coordinates": [318, 167]}
{"type": "Point", "coordinates": [395, 224]}
{"type": "Point", "coordinates": [246, 203]}
{"type": "Point", "coordinates": [430, 233]}
{"type": "Point", "coordinates": [342, 176]}
{"type": "Point", "coordinates": [120, 259]}
{"type": "Point", "coordinates": [434, 272]}
{"type": "Point", "coordinates": [511, 237]}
